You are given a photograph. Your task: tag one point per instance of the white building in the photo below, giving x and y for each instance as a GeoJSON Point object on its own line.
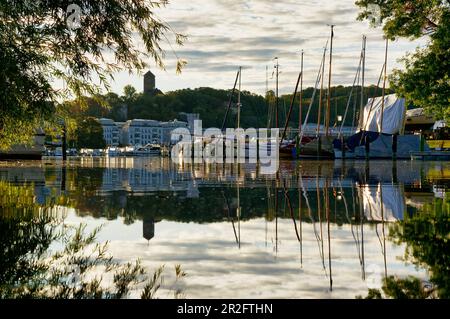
{"type": "Point", "coordinates": [111, 132]}
{"type": "Point", "coordinates": [141, 132]}
{"type": "Point", "coordinates": [168, 127]}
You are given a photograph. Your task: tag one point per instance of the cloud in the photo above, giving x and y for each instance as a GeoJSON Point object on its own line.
{"type": "Point", "coordinates": [218, 268]}
{"type": "Point", "coordinates": [224, 34]}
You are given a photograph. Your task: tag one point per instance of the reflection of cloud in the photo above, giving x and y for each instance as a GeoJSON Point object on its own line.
{"type": "Point", "coordinates": [218, 269]}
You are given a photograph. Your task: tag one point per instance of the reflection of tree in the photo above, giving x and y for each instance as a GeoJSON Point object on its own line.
{"type": "Point", "coordinates": [29, 269]}
{"type": "Point", "coordinates": [26, 232]}
{"type": "Point", "coordinates": [426, 235]}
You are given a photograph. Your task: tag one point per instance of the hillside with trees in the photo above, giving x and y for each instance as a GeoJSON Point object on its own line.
{"type": "Point", "coordinates": [211, 104]}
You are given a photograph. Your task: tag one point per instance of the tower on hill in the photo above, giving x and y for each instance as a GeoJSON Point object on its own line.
{"type": "Point", "coordinates": [149, 83]}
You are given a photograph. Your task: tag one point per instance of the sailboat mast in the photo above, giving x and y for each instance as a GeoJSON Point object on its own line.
{"type": "Point", "coordinates": [327, 118]}
{"type": "Point", "coordinates": [361, 111]}
{"type": "Point", "coordinates": [276, 93]}
{"type": "Point", "coordinates": [384, 84]}
{"type": "Point", "coordinates": [321, 95]}
{"type": "Point", "coordinates": [239, 99]}
{"type": "Point", "coordinates": [301, 100]}
{"type": "Point", "coordinates": [267, 97]}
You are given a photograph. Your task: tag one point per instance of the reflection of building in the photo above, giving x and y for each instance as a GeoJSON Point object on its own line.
{"type": "Point", "coordinates": [148, 227]}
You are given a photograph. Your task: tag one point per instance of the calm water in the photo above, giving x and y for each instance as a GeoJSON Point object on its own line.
{"type": "Point", "coordinates": [318, 230]}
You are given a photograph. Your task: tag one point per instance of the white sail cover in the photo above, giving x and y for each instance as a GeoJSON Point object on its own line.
{"type": "Point", "coordinates": [393, 118]}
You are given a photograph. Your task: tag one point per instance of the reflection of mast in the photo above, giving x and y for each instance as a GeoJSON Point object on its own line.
{"type": "Point", "coordinates": [276, 219]}
{"type": "Point", "coordinates": [238, 211]}
{"type": "Point", "coordinates": [300, 221]}
{"type": "Point", "coordinates": [291, 212]}
{"type": "Point", "coordinates": [321, 251]}
{"type": "Point", "coordinates": [305, 195]}
{"type": "Point", "coordinates": [384, 237]}
{"type": "Point", "coordinates": [327, 209]}
{"type": "Point", "coordinates": [361, 220]}
{"type": "Point", "coordinates": [229, 216]}
{"type": "Point", "coordinates": [361, 216]}
{"type": "Point", "coordinates": [381, 240]}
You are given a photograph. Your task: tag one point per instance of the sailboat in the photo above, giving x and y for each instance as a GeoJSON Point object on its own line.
{"type": "Point", "coordinates": [320, 146]}
{"type": "Point", "coordinates": [380, 133]}
{"type": "Point", "coordinates": [383, 137]}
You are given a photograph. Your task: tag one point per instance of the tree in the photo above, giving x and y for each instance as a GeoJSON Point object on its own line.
{"type": "Point", "coordinates": [43, 41]}
{"type": "Point", "coordinates": [425, 81]}
{"type": "Point", "coordinates": [129, 94]}
{"type": "Point", "coordinates": [90, 134]}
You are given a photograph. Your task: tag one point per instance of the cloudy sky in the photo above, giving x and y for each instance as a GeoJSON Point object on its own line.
{"type": "Point", "coordinates": [225, 34]}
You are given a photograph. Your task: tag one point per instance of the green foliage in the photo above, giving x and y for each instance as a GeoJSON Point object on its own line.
{"type": "Point", "coordinates": [404, 18]}
{"type": "Point", "coordinates": [211, 104]}
{"type": "Point", "coordinates": [425, 80]}
{"type": "Point", "coordinates": [38, 47]}
{"type": "Point", "coordinates": [426, 235]}
{"type": "Point", "coordinates": [89, 134]}
{"type": "Point", "coordinates": [396, 288]}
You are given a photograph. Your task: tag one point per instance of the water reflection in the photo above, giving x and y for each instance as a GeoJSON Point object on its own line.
{"type": "Point", "coordinates": [316, 229]}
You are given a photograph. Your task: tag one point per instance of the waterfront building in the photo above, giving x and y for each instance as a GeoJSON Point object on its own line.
{"type": "Point", "coordinates": [168, 127]}
{"type": "Point", "coordinates": [111, 132]}
{"type": "Point", "coordinates": [142, 132]}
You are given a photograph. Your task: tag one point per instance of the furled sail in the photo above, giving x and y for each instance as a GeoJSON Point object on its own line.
{"type": "Point", "coordinates": [393, 116]}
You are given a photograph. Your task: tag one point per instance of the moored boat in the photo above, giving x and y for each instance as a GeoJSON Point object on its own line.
{"type": "Point", "coordinates": [34, 151]}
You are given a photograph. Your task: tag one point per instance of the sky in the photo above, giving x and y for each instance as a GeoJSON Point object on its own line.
{"type": "Point", "coordinates": [225, 34]}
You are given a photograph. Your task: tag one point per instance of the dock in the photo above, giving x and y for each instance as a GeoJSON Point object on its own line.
{"type": "Point", "coordinates": [431, 155]}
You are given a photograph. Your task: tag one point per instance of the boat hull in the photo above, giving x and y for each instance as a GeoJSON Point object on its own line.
{"type": "Point", "coordinates": [25, 152]}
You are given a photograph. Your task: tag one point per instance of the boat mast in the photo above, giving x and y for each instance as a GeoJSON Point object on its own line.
{"type": "Point", "coordinates": [230, 101]}
{"type": "Point", "coordinates": [321, 94]}
{"type": "Point", "coordinates": [276, 93]}
{"type": "Point", "coordinates": [267, 97]}
{"type": "Point", "coordinates": [239, 99]}
{"type": "Point", "coordinates": [384, 84]}
{"type": "Point", "coordinates": [327, 120]}
{"type": "Point", "coordinates": [363, 72]}
{"type": "Point", "coordinates": [288, 117]}
{"type": "Point", "coordinates": [301, 100]}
